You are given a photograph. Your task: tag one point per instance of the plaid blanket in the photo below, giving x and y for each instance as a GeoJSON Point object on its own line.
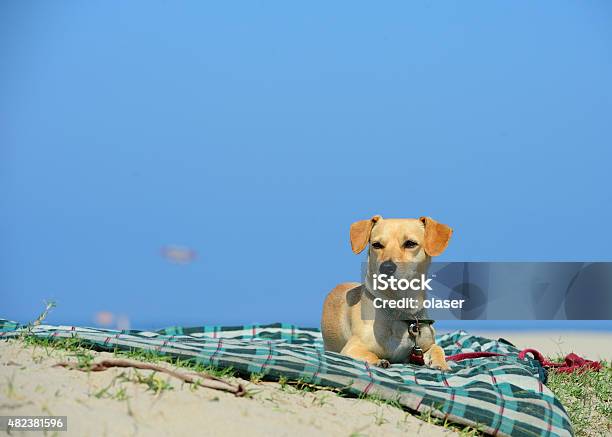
{"type": "Point", "coordinates": [500, 395]}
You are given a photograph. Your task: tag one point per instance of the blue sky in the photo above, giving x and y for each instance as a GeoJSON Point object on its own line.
{"type": "Point", "coordinates": [256, 132]}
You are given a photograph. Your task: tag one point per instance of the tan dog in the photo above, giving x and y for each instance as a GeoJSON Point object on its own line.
{"type": "Point", "coordinates": [384, 338]}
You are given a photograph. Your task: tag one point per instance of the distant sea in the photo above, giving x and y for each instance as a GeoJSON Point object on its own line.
{"type": "Point", "coordinates": [440, 325]}
{"type": "Point", "coordinates": [525, 325]}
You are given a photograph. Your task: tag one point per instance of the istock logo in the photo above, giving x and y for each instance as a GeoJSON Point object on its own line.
{"type": "Point", "coordinates": [385, 282]}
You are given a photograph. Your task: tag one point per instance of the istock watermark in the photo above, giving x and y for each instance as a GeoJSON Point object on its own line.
{"type": "Point", "coordinates": [491, 291]}
{"type": "Point", "coordinates": [384, 282]}
{"type": "Point", "coordinates": [415, 304]}
{"type": "Point", "coordinates": [389, 282]}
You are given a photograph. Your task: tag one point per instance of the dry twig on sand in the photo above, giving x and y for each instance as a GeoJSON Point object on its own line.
{"type": "Point", "coordinates": [190, 378]}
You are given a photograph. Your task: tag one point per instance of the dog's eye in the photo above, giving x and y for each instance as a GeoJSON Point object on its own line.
{"type": "Point", "coordinates": [409, 244]}
{"type": "Point", "coordinates": [377, 245]}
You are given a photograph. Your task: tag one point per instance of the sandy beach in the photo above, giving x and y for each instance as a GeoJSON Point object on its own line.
{"type": "Point", "coordinates": [118, 402]}
{"type": "Point", "coordinates": [112, 403]}
{"type": "Point", "coordinates": [593, 345]}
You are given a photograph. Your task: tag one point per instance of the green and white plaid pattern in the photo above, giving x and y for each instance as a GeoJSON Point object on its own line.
{"type": "Point", "coordinates": [502, 395]}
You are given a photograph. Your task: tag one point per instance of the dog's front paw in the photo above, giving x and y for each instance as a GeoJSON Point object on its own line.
{"type": "Point", "coordinates": [443, 366]}
{"type": "Point", "coordinates": [383, 363]}
{"type": "Point", "coordinates": [434, 359]}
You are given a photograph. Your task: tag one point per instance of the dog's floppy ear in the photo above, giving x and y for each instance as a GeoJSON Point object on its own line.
{"type": "Point", "coordinates": [360, 233]}
{"type": "Point", "coordinates": [437, 236]}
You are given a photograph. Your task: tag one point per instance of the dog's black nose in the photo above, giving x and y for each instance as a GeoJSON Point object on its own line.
{"type": "Point", "coordinates": [387, 268]}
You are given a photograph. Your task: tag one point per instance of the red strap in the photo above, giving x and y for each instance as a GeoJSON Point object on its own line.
{"type": "Point", "coordinates": [468, 355]}
{"type": "Point", "coordinates": [572, 362]}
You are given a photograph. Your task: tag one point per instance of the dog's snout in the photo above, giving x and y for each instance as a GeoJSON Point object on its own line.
{"type": "Point", "coordinates": [387, 268]}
